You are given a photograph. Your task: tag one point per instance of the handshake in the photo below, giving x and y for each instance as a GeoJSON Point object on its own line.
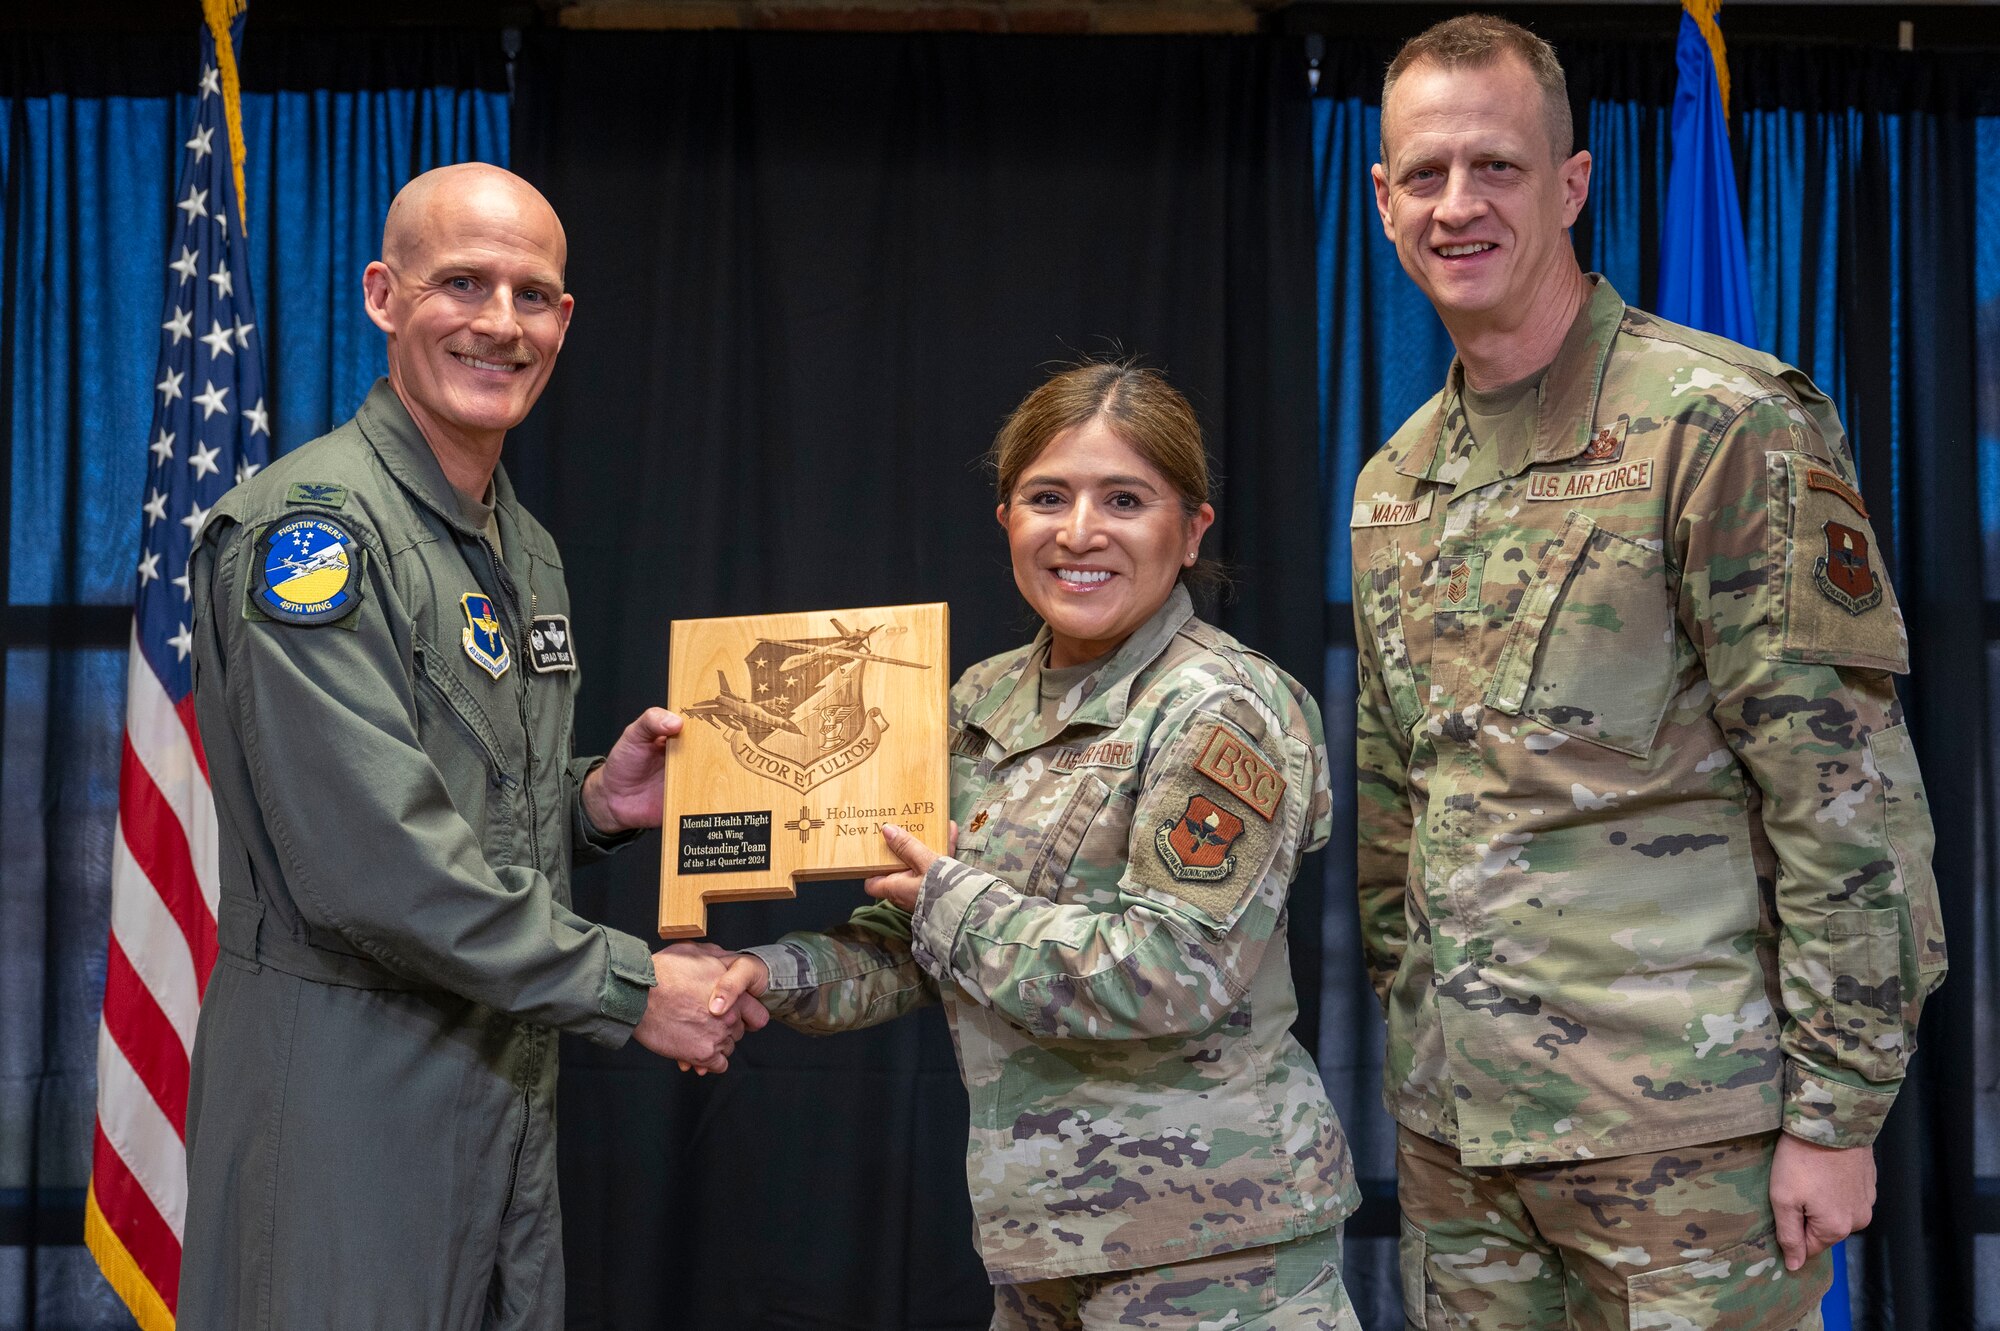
{"type": "Point", "coordinates": [704, 1001]}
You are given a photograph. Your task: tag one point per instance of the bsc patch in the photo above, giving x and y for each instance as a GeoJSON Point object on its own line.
{"type": "Point", "coordinates": [1196, 844]}
{"type": "Point", "coordinates": [1240, 770]}
{"type": "Point", "coordinates": [550, 648]}
{"type": "Point", "coordinates": [1843, 574]}
{"type": "Point", "coordinates": [306, 571]}
{"type": "Point", "coordinates": [484, 642]}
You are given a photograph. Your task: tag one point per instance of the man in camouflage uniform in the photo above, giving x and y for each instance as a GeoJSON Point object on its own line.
{"type": "Point", "coordinates": [1643, 848]}
{"type": "Point", "coordinates": [1108, 940]}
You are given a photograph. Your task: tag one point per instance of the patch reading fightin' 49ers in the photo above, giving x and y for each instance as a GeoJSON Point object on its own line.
{"type": "Point", "coordinates": [1240, 770]}
{"type": "Point", "coordinates": [1195, 845]}
{"type": "Point", "coordinates": [305, 571]}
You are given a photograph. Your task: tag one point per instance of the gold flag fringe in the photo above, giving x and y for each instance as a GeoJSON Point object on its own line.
{"type": "Point", "coordinates": [1707, 16]}
{"type": "Point", "coordinates": [220, 14]}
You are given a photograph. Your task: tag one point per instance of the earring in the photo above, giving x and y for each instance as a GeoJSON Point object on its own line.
{"type": "Point", "coordinates": [1190, 558]}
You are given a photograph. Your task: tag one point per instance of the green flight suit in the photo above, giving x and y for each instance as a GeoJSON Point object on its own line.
{"type": "Point", "coordinates": [371, 1127]}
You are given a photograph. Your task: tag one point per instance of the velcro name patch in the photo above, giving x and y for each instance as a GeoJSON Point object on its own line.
{"type": "Point", "coordinates": [1389, 511]}
{"type": "Point", "coordinates": [1242, 771]}
{"type": "Point", "coordinates": [1592, 483]}
{"type": "Point", "coordinates": [550, 647]}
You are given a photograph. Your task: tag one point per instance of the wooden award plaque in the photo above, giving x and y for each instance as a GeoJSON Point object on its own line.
{"type": "Point", "coordinates": [805, 733]}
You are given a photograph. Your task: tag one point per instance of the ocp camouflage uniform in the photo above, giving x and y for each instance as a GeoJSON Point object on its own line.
{"type": "Point", "coordinates": [1109, 946]}
{"type": "Point", "coordinates": [1644, 851]}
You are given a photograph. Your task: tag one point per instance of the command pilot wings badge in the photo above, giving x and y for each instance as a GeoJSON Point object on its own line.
{"type": "Point", "coordinates": [802, 719]}
{"type": "Point", "coordinates": [484, 642]}
{"type": "Point", "coordinates": [550, 648]}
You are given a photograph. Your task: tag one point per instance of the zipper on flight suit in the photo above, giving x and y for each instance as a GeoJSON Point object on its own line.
{"type": "Point", "coordinates": [513, 596]}
{"type": "Point", "coordinates": [514, 1162]}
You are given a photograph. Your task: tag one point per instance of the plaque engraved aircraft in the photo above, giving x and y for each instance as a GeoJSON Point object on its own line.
{"type": "Point", "coordinates": [804, 734]}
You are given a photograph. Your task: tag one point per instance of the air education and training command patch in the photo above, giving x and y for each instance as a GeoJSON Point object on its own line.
{"type": "Point", "coordinates": [1196, 845]}
{"type": "Point", "coordinates": [484, 642]}
{"type": "Point", "coordinates": [307, 571]}
{"type": "Point", "coordinates": [1843, 573]}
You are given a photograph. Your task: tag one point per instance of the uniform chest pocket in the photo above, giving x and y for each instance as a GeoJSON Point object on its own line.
{"type": "Point", "coordinates": [461, 741]}
{"type": "Point", "coordinates": [1089, 853]}
{"type": "Point", "coordinates": [1381, 612]}
{"type": "Point", "coordinates": [1593, 651]}
{"type": "Point", "coordinates": [1064, 840]}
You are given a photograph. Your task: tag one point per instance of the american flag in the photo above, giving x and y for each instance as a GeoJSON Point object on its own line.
{"type": "Point", "coordinates": [210, 431]}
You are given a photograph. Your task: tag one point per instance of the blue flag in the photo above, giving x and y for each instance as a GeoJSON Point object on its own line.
{"type": "Point", "coordinates": [1704, 268]}
{"type": "Point", "coordinates": [1705, 273]}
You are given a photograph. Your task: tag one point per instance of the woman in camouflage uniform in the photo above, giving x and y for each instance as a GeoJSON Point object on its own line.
{"type": "Point", "coordinates": [1131, 794]}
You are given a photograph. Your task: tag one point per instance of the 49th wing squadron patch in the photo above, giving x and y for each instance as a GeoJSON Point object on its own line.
{"type": "Point", "coordinates": [305, 572]}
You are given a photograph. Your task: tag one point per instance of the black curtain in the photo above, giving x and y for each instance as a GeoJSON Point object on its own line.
{"type": "Point", "coordinates": [813, 273]}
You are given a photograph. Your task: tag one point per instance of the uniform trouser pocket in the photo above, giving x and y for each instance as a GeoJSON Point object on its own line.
{"type": "Point", "coordinates": [1322, 1305]}
{"type": "Point", "coordinates": [1411, 1252]}
{"type": "Point", "coordinates": [1744, 1288]}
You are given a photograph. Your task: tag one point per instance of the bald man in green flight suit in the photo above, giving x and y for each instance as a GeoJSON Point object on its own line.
{"type": "Point", "coordinates": [384, 677]}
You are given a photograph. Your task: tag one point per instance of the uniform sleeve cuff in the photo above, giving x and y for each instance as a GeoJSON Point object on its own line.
{"type": "Point", "coordinates": [950, 887]}
{"type": "Point", "coordinates": [591, 844]}
{"type": "Point", "coordinates": [1832, 1113]}
{"type": "Point", "coordinates": [626, 980]}
{"type": "Point", "coordinates": [791, 975]}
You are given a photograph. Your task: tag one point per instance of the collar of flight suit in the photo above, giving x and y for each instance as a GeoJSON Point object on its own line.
{"type": "Point", "coordinates": [387, 425]}
{"type": "Point", "coordinates": [1566, 416]}
{"type": "Point", "coordinates": [1011, 713]}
